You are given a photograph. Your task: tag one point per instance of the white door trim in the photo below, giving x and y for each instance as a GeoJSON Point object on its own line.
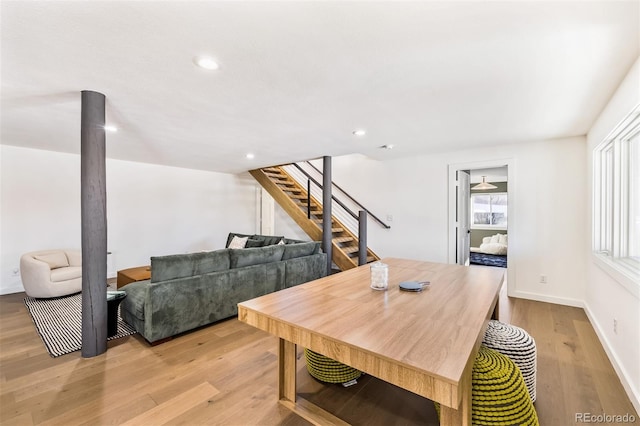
{"type": "Point", "coordinates": [511, 212]}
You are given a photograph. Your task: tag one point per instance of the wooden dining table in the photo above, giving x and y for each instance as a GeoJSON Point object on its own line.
{"type": "Point", "coordinates": [424, 342]}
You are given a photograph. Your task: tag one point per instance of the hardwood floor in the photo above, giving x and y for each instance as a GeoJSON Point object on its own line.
{"type": "Point", "coordinates": [225, 374]}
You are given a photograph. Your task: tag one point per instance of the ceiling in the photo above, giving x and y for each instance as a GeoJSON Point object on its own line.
{"type": "Point", "coordinates": [295, 79]}
{"type": "Point", "coordinates": [493, 174]}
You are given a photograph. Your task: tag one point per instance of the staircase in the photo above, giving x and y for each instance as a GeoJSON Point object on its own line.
{"type": "Point", "coordinates": [292, 197]}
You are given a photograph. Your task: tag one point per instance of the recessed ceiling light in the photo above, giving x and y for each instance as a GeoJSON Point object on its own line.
{"type": "Point", "coordinates": [387, 146]}
{"type": "Point", "coordinates": [112, 129]}
{"type": "Point", "coordinates": [359, 132]}
{"type": "Point", "coordinates": [251, 156]}
{"type": "Point", "coordinates": [205, 62]}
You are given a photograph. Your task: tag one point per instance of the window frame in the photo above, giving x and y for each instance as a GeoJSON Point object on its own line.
{"type": "Point", "coordinates": [472, 225]}
{"type": "Point", "coordinates": [612, 200]}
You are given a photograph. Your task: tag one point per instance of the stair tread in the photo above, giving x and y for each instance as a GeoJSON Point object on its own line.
{"type": "Point", "coordinates": [343, 240]}
{"type": "Point", "coordinates": [350, 249]}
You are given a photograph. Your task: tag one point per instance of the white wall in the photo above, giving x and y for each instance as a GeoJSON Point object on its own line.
{"type": "Point", "coordinates": [151, 210]}
{"type": "Point", "coordinates": [606, 298]}
{"type": "Point", "coordinates": [550, 206]}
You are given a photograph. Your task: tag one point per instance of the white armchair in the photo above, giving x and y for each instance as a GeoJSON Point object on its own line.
{"type": "Point", "coordinates": [51, 273]}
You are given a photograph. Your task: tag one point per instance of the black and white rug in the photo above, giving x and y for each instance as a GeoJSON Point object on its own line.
{"type": "Point", "coordinates": [59, 323]}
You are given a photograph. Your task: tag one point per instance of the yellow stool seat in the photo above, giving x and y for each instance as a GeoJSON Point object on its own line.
{"type": "Point", "coordinates": [329, 370]}
{"type": "Point", "coordinates": [499, 396]}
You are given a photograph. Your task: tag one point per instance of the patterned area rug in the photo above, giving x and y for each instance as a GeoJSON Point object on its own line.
{"type": "Point", "coordinates": [488, 259]}
{"type": "Point", "coordinates": [59, 323]}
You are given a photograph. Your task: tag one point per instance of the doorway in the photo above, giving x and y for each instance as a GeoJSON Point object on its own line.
{"type": "Point", "coordinates": [475, 215]}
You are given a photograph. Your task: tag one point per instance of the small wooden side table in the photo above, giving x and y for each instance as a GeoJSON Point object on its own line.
{"type": "Point", "coordinates": [130, 275]}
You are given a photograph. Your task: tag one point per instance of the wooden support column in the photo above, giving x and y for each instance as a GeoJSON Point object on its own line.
{"type": "Point", "coordinates": [93, 195]}
{"type": "Point", "coordinates": [327, 235]}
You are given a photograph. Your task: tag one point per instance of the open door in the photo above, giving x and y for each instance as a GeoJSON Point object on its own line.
{"type": "Point", "coordinates": [462, 217]}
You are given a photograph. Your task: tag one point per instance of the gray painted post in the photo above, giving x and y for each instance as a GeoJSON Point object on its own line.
{"type": "Point", "coordinates": [93, 194]}
{"type": "Point", "coordinates": [327, 235]}
{"type": "Point", "coordinates": [362, 237]}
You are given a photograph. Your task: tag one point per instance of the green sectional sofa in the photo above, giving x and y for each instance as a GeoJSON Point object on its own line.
{"type": "Point", "coordinates": [187, 291]}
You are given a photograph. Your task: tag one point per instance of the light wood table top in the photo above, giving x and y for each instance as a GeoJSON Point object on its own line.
{"type": "Point", "coordinates": [424, 342]}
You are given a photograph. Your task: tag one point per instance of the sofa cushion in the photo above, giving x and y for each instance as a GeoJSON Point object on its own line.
{"type": "Point", "coordinates": [290, 241]}
{"type": "Point", "coordinates": [269, 240]}
{"type": "Point", "coordinates": [292, 251]}
{"type": "Point", "coordinates": [255, 256]}
{"type": "Point", "coordinates": [304, 269]}
{"type": "Point", "coordinates": [65, 274]}
{"type": "Point", "coordinates": [165, 268]}
{"type": "Point", "coordinates": [54, 260]}
{"type": "Point", "coordinates": [136, 296]}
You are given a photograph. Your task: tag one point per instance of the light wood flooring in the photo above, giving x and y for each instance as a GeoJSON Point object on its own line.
{"type": "Point", "coordinates": [225, 374]}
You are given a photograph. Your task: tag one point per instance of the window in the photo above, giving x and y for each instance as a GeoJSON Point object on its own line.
{"type": "Point", "coordinates": [616, 198]}
{"type": "Point", "coordinates": [489, 210]}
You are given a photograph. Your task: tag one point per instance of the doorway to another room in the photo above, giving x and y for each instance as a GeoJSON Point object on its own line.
{"type": "Point", "coordinates": [481, 214]}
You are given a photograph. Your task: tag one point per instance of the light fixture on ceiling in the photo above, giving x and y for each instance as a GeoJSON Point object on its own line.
{"type": "Point", "coordinates": [250, 156]}
{"type": "Point", "coordinates": [484, 185]}
{"type": "Point", "coordinates": [110, 128]}
{"type": "Point", "coordinates": [206, 62]}
{"type": "Point", "coordinates": [359, 132]}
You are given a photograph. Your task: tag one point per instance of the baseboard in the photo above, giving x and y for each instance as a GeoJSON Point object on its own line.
{"type": "Point", "coordinates": [633, 394]}
{"type": "Point", "coordinates": [546, 298]}
{"type": "Point", "coordinates": [12, 290]}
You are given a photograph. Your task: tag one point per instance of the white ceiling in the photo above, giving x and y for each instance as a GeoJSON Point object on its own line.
{"type": "Point", "coordinates": [296, 78]}
{"type": "Point", "coordinates": [493, 174]}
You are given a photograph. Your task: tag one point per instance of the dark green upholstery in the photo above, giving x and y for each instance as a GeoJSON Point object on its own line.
{"type": "Point", "coordinates": [255, 256]}
{"type": "Point", "coordinates": [254, 243]}
{"type": "Point", "coordinates": [291, 251]}
{"type": "Point", "coordinates": [303, 269]}
{"type": "Point", "coordinates": [165, 268]}
{"type": "Point", "coordinates": [187, 291]}
{"type": "Point", "coordinates": [269, 240]}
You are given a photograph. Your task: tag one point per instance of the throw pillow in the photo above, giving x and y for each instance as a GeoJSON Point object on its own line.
{"type": "Point", "coordinates": [269, 240]}
{"type": "Point", "coordinates": [494, 248]}
{"type": "Point", "coordinates": [238, 242]}
{"type": "Point", "coordinates": [234, 234]}
{"type": "Point", "coordinates": [254, 243]}
{"type": "Point", "coordinates": [54, 260]}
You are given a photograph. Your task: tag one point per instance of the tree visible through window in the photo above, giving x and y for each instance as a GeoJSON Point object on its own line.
{"type": "Point", "coordinates": [489, 210]}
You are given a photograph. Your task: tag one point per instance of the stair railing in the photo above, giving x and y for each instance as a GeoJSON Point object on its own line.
{"type": "Point", "coordinates": [356, 223]}
{"type": "Point", "coordinates": [311, 179]}
{"type": "Point", "coordinates": [356, 202]}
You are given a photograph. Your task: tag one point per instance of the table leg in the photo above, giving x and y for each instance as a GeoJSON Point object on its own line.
{"type": "Point", "coordinates": [287, 371]}
{"type": "Point", "coordinates": [461, 416]}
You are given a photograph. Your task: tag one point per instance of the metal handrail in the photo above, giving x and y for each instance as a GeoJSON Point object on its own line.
{"type": "Point", "coordinates": [319, 185]}
{"type": "Point", "coordinates": [345, 193]}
